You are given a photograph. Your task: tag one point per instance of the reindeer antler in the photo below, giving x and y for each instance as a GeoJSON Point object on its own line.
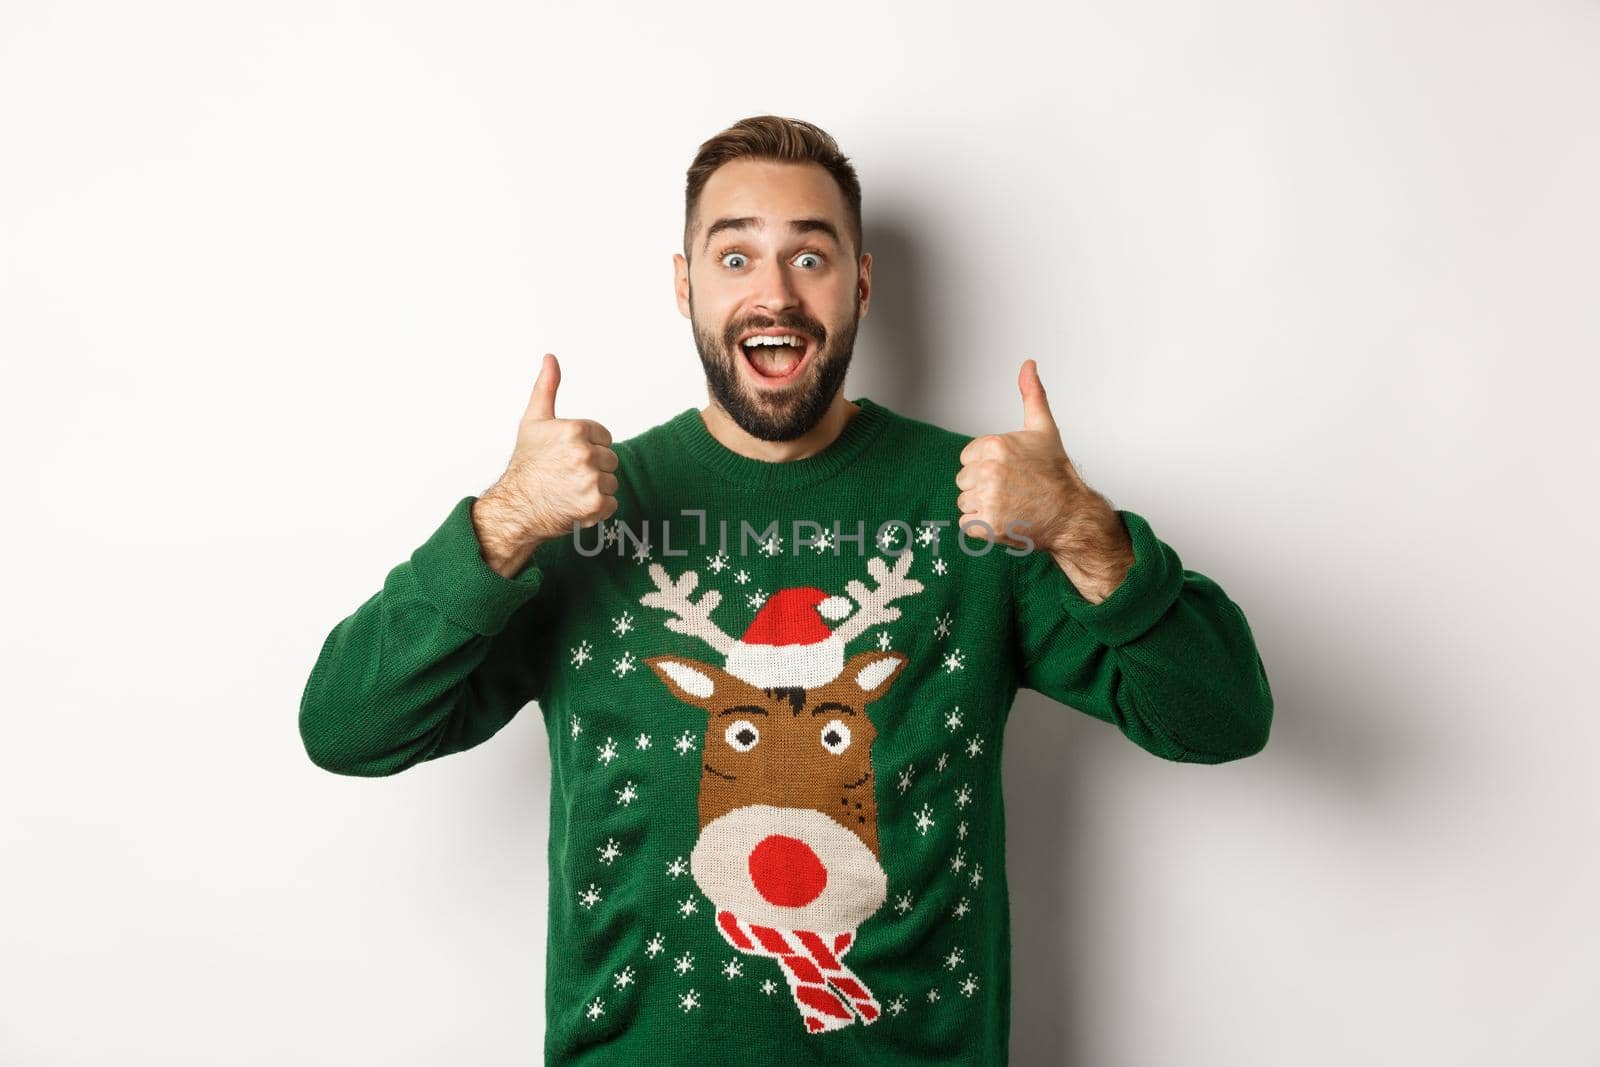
{"type": "Point", "coordinates": [892, 585]}
{"type": "Point", "coordinates": [689, 616]}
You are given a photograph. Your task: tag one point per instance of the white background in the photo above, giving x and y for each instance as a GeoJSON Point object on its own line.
{"type": "Point", "coordinates": [1312, 287]}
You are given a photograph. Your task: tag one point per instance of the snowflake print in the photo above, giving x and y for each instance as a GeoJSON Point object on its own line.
{"type": "Point", "coordinates": [953, 720]}
{"type": "Point", "coordinates": [944, 758]}
{"type": "Point", "coordinates": [959, 862]}
{"type": "Point", "coordinates": [769, 987]}
{"type": "Point", "coordinates": [684, 963]}
{"type": "Point", "coordinates": [596, 1009]}
{"type": "Point", "coordinates": [941, 626]}
{"type": "Point", "coordinates": [975, 746]}
{"type": "Point", "coordinates": [940, 566]}
{"type": "Point", "coordinates": [896, 1006]}
{"type": "Point", "coordinates": [904, 780]}
{"type": "Point", "coordinates": [608, 535]}
{"type": "Point", "coordinates": [608, 751]}
{"type": "Point", "coordinates": [687, 907]}
{"type": "Point", "coordinates": [715, 564]}
{"type": "Point", "coordinates": [953, 661]}
{"type": "Point", "coordinates": [924, 820]}
{"type": "Point", "coordinates": [823, 542]}
{"type": "Point", "coordinates": [756, 599]}
{"type": "Point", "coordinates": [902, 903]}
{"type": "Point", "coordinates": [954, 959]}
{"type": "Point", "coordinates": [623, 977]}
{"type": "Point", "coordinates": [933, 996]}
{"type": "Point", "coordinates": [642, 742]}
{"type": "Point", "coordinates": [970, 986]}
{"type": "Point", "coordinates": [772, 545]}
{"type": "Point", "coordinates": [888, 538]}
{"type": "Point", "coordinates": [609, 851]}
{"type": "Point", "coordinates": [689, 1001]}
{"type": "Point", "coordinates": [883, 640]}
{"type": "Point", "coordinates": [732, 970]}
{"type": "Point", "coordinates": [589, 897]}
{"type": "Point", "coordinates": [961, 830]}
{"type": "Point", "coordinates": [627, 794]}
{"type": "Point", "coordinates": [964, 795]}
{"type": "Point", "coordinates": [641, 553]}
{"type": "Point", "coordinates": [577, 728]}
{"type": "Point", "coordinates": [927, 534]}
{"type": "Point", "coordinates": [976, 878]}
{"type": "Point", "coordinates": [961, 909]}
{"type": "Point", "coordinates": [622, 624]}
{"type": "Point", "coordinates": [655, 946]}
{"type": "Point", "coordinates": [621, 667]}
{"type": "Point", "coordinates": [677, 867]}
{"type": "Point", "coordinates": [581, 654]}
{"type": "Point", "coordinates": [685, 743]}
{"type": "Point", "coordinates": [742, 576]}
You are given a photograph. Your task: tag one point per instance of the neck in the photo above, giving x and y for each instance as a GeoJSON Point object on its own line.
{"type": "Point", "coordinates": [733, 436]}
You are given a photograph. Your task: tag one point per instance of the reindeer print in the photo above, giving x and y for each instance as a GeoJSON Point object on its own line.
{"type": "Point", "coordinates": [788, 817]}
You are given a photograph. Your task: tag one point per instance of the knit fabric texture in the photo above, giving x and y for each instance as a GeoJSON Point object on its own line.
{"type": "Point", "coordinates": [775, 696]}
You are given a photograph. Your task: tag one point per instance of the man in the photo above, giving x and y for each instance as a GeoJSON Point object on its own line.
{"type": "Point", "coordinates": [791, 851]}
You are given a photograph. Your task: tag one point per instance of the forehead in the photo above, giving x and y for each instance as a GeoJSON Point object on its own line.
{"type": "Point", "coordinates": [773, 191]}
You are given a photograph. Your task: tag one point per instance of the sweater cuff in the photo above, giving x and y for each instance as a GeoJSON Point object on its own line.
{"type": "Point", "coordinates": [1148, 589]}
{"type": "Point", "coordinates": [455, 578]}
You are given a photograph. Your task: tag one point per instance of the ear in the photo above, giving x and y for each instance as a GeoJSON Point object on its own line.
{"type": "Point", "coordinates": [680, 283]}
{"type": "Point", "coordinates": [872, 673]}
{"type": "Point", "coordinates": [864, 285]}
{"type": "Point", "coordinates": [697, 684]}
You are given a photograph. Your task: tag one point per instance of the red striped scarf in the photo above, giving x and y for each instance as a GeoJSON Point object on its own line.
{"type": "Point", "coordinates": [811, 964]}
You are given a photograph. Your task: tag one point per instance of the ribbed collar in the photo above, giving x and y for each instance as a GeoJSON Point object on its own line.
{"type": "Point", "coordinates": [743, 471]}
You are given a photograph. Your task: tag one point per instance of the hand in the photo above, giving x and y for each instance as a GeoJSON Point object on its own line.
{"type": "Point", "coordinates": [560, 472]}
{"type": "Point", "coordinates": [1023, 483]}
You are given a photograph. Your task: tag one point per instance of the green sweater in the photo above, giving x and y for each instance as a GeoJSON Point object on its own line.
{"type": "Point", "coordinates": [776, 823]}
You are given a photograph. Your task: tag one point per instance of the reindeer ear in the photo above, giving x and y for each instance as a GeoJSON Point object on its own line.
{"type": "Point", "coordinates": [872, 672]}
{"type": "Point", "coordinates": [691, 682]}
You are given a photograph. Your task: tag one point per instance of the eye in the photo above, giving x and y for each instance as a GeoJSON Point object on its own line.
{"type": "Point", "coordinates": [836, 736]}
{"type": "Point", "coordinates": [733, 255]}
{"type": "Point", "coordinates": [810, 256]}
{"type": "Point", "coordinates": [741, 735]}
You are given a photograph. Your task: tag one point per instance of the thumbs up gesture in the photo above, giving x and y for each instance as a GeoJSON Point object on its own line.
{"type": "Point", "coordinates": [560, 472]}
{"type": "Point", "coordinates": [1022, 483]}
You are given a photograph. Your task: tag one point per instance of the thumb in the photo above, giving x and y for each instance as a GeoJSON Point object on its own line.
{"type": "Point", "coordinates": [542, 405]}
{"type": "Point", "coordinates": [1035, 406]}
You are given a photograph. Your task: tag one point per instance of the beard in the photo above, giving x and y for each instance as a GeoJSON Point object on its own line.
{"type": "Point", "coordinates": [775, 415]}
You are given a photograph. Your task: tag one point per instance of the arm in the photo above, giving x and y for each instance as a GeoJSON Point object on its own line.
{"type": "Point", "coordinates": [436, 662]}
{"type": "Point", "coordinates": [1167, 658]}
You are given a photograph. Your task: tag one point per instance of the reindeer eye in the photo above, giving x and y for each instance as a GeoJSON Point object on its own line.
{"type": "Point", "coordinates": [835, 736]}
{"type": "Point", "coordinates": [742, 735]}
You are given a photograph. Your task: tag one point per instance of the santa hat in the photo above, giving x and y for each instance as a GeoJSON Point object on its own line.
{"type": "Point", "coordinates": [788, 643]}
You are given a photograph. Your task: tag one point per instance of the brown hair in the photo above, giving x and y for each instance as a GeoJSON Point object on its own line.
{"type": "Point", "coordinates": [775, 138]}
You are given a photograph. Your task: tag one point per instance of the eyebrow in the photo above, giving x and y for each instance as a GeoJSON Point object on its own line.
{"type": "Point", "coordinates": [748, 222]}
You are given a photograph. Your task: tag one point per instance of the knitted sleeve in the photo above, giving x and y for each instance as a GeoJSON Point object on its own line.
{"type": "Point", "coordinates": [435, 662]}
{"type": "Point", "coordinates": [1167, 658]}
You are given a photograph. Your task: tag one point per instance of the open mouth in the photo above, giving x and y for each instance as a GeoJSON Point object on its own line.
{"type": "Point", "coordinates": [775, 357]}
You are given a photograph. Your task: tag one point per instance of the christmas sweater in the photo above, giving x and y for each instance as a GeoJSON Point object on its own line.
{"type": "Point", "coordinates": [775, 695]}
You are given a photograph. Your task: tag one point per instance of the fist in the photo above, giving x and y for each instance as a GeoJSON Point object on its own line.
{"type": "Point", "coordinates": [1022, 484]}
{"type": "Point", "coordinates": [561, 469]}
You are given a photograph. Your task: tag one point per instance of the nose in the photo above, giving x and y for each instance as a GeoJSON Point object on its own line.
{"type": "Point", "coordinates": [786, 871]}
{"type": "Point", "coordinates": [775, 291]}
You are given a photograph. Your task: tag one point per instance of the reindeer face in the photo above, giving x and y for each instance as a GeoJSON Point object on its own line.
{"type": "Point", "coordinates": [788, 816]}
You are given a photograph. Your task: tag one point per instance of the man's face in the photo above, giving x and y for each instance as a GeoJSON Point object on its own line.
{"type": "Point", "coordinates": [764, 261]}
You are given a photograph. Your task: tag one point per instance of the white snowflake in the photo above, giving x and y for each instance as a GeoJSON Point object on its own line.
{"type": "Point", "coordinates": [888, 538]}
{"type": "Point", "coordinates": [970, 986]}
{"type": "Point", "coordinates": [609, 851]}
{"type": "Point", "coordinates": [684, 963]}
{"type": "Point", "coordinates": [902, 903]}
{"type": "Point", "coordinates": [959, 861]}
{"type": "Point", "coordinates": [954, 959]}
{"type": "Point", "coordinates": [975, 746]}
{"type": "Point", "coordinates": [623, 977]}
{"type": "Point", "coordinates": [904, 780]}
{"type": "Point", "coordinates": [732, 970]}
{"type": "Point", "coordinates": [596, 1009]}
{"type": "Point", "coordinates": [608, 535]}
{"type": "Point", "coordinates": [883, 640]}
{"type": "Point", "coordinates": [627, 794]}
{"type": "Point", "coordinates": [655, 946]}
{"type": "Point", "coordinates": [581, 654]}
{"type": "Point", "coordinates": [716, 563]}
{"type": "Point", "coordinates": [941, 627]}
{"type": "Point", "coordinates": [897, 1005]}
{"type": "Point", "coordinates": [576, 728]}
{"type": "Point", "coordinates": [622, 624]}
{"type": "Point", "coordinates": [742, 576]}
{"type": "Point", "coordinates": [976, 877]}
{"type": "Point", "coordinates": [953, 720]}
{"type": "Point", "coordinates": [953, 661]}
{"type": "Point", "coordinates": [772, 545]}
{"type": "Point", "coordinates": [756, 599]}
{"type": "Point", "coordinates": [933, 996]}
{"type": "Point", "coordinates": [961, 829]}
{"type": "Point", "coordinates": [642, 742]}
{"type": "Point", "coordinates": [689, 1001]}
{"type": "Point", "coordinates": [687, 907]}
{"type": "Point", "coordinates": [961, 909]}
{"type": "Point", "coordinates": [924, 820]}
{"type": "Point", "coordinates": [940, 566]}
{"type": "Point", "coordinates": [589, 897]}
{"type": "Point", "coordinates": [964, 795]}
{"type": "Point", "coordinates": [677, 867]}
{"type": "Point", "coordinates": [684, 743]}
{"type": "Point", "coordinates": [927, 534]}
{"type": "Point", "coordinates": [641, 553]}
{"type": "Point", "coordinates": [823, 542]}
{"type": "Point", "coordinates": [944, 758]}
{"type": "Point", "coordinates": [769, 987]}
{"type": "Point", "coordinates": [607, 751]}
{"type": "Point", "coordinates": [621, 667]}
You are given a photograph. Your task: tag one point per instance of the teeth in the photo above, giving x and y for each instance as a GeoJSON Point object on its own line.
{"type": "Point", "coordinates": [786, 339]}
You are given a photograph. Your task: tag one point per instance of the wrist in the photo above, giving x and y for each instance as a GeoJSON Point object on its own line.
{"type": "Point", "coordinates": [504, 537]}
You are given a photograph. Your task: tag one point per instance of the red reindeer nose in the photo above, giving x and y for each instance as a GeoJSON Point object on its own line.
{"type": "Point", "coordinates": [786, 871]}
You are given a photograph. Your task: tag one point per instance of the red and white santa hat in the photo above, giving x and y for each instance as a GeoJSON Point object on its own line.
{"type": "Point", "coordinates": [788, 643]}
